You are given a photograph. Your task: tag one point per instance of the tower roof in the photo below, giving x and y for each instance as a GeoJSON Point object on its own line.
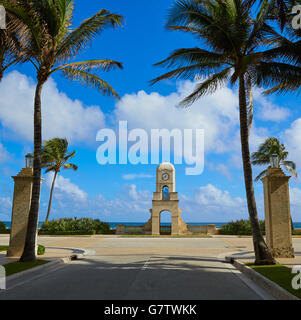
{"type": "Point", "coordinates": [166, 166]}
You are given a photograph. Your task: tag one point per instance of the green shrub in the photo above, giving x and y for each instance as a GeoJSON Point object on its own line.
{"type": "Point", "coordinates": [41, 250]}
{"type": "Point", "coordinates": [67, 233]}
{"type": "Point", "coordinates": [75, 226]}
{"type": "Point", "coordinates": [239, 227]}
{"type": "Point", "coordinates": [297, 232]}
{"type": "Point", "coordinates": [3, 229]}
{"type": "Point", "coordinates": [2, 226]}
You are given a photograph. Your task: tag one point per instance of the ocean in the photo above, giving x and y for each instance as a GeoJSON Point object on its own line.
{"type": "Point", "coordinates": [297, 225]}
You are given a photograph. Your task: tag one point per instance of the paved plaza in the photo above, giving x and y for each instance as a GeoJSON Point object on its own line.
{"type": "Point", "coordinates": [141, 268]}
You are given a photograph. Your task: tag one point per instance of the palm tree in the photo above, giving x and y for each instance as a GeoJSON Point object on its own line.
{"type": "Point", "coordinates": [55, 156]}
{"type": "Point", "coordinates": [233, 38]}
{"type": "Point", "coordinates": [265, 150]}
{"type": "Point", "coordinates": [280, 9]}
{"type": "Point", "coordinates": [11, 46]}
{"type": "Point", "coordinates": [288, 49]}
{"type": "Point", "coordinates": [51, 44]}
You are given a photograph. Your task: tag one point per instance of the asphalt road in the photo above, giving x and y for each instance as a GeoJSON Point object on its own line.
{"type": "Point", "coordinates": [132, 275]}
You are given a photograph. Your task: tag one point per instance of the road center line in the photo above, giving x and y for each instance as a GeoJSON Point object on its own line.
{"type": "Point", "coordinates": [145, 266]}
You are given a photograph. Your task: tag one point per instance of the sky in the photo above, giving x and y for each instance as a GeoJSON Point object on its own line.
{"type": "Point", "coordinates": [123, 193]}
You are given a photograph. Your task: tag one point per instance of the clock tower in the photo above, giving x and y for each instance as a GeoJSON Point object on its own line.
{"type": "Point", "coordinates": [166, 199]}
{"type": "Point", "coordinates": [166, 178]}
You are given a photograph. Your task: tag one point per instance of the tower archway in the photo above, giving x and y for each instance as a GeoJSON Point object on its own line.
{"type": "Point", "coordinates": [165, 223]}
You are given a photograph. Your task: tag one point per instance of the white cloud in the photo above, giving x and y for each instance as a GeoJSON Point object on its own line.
{"type": "Point", "coordinates": [267, 110]}
{"type": "Point", "coordinates": [62, 116]}
{"type": "Point", "coordinates": [217, 114]}
{"type": "Point", "coordinates": [129, 204]}
{"type": "Point", "coordinates": [213, 197]}
{"type": "Point", "coordinates": [213, 204]}
{"type": "Point", "coordinates": [137, 176]}
{"type": "Point", "coordinates": [65, 187]}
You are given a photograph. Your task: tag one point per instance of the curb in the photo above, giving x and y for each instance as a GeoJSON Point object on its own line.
{"type": "Point", "coordinates": [36, 269]}
{"type": "Point", "coordinates": [273, 288]}
{"type": "Point", "coordinates": [51, 264]}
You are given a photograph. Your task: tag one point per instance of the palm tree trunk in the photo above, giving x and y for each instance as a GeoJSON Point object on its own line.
{"type": "Point", "coordinates": [1, 70]}
{"type": "Point", "coordinates": [51, 194]}
{"type": "Point", "coordinates": [1, 65]}
{"type": "Point", "coordinates": [29, 253]}
{"type": "Point", "coordinates": [262, 252]}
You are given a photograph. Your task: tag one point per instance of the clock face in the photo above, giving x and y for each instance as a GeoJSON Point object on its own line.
{"type": "Point", "coordinates": [165, 176]}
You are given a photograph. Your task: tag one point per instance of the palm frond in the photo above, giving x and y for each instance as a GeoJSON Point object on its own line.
{"type": "Point", "coordinates": [89, 65]}
{"type": "Point", "coordinates": [290, 164]}
{"type": "Point", "coordinates": [208, 86]}
{"type": "Point", "coordinates": [261, 175]}
{"type": "Point", "coordinates": [188, 72]}
{"type": "Point", "coordinates": [90, 80]}
{"type": "Point", "coordinates": [70, 166]}
{"type": "Point", "coordinates": [291, 170]}
{"type": "Point", "coordinates": [188, 56]}
{"type": "Point", "coordinates": [282, 77]}
{"type": "Point", "coordinates": [82, 36]}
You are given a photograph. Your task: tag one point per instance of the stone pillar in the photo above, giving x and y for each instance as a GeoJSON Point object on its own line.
{"type": "Point", "coordinates": [20, 212]}
{"type": "Point", "coordinates": [211, 229]}
{"type": "Point", "coordinates": [277, 213]}
{"type": "Point", "coordinates": [155, 222]}
{"type": "Point", "coordinates": [174, 223]}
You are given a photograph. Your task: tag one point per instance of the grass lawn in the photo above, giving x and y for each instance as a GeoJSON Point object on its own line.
{"type": "Point", "coordinates": [280, 274]}
{"type": "Point", "coordinates": [3, 248]}
{"type": "Point", "coordinates": [17, 266]}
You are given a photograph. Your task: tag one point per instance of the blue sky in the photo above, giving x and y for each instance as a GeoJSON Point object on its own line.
{"type": "Point", "coordinates": [124, 192]}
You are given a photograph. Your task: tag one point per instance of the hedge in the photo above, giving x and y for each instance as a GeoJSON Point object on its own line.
{"type": "Point", "coordinates": [297, 233]}
{"type": "Point", "coordinates": [67, 233]}
{"type": "Point", "coordinates": [69, 226]}
{"type": "Point", "coordinates": [239, 227]}
{"type": "Point", "coordinates": [3, 229]}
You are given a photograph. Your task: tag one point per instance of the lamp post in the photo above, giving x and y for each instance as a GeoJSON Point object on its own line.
{"type": "Point", "coordinates": [29, 160]}
{"type": "Point", "coordinates": [274, 161]}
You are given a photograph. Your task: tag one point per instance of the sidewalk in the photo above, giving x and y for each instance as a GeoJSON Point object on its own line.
{"type": "Point", "coordinates": [56, 247]}
{"type": "Point", "coordinates": [50, 254]}
{"type": "Point", "coordinates": [245, 252]}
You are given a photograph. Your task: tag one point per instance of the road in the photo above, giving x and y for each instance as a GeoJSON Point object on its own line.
{"type": "Point", "coordinates": [138, 269]}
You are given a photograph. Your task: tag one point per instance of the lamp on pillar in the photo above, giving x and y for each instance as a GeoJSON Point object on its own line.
{"type": "Point", "coordinates": [274, 161]}
{"type": "Point", "coordinates": [29, 160]}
